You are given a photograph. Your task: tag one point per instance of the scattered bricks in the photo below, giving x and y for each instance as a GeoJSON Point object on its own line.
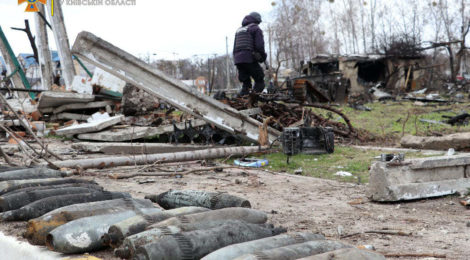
{"type": "Point", "coordinates": [419, 178]}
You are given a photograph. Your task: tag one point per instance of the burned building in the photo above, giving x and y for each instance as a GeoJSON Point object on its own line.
{"type": "Point", "coordinates": [366, 71]}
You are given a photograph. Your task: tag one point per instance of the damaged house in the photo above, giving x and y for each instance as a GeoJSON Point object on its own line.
{"type": "Point", "coordinates": [363, 72]}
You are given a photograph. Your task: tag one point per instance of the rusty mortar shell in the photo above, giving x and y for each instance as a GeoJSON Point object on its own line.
{"type": "Point", "coordinates": [38, 228]}
{"type": "Point", "coordinates": [134, 225]}
{"type": "Point", "coordinates": [18, 200]}
{"type": "Point", "coordinates": [32, 173]}
{"type": "Point", "coordinates": [212, 200]}
{"type": "Point", "coordinates": [295, 251]}
{"type": "Point", "coordinates": [83, 235]}
{"type": "Point", "coordinates": [236, 250]}
{"type": "Point", "coordinates": [198, 243]}
{"type": "Point", "coordinates": [41, 207]}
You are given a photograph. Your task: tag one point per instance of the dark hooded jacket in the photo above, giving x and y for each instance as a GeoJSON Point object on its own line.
{"type": "Point", "coordinates": [246, 56]}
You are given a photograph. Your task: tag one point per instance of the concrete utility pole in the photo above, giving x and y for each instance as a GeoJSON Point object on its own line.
{"type": "Point", "coordinates": [5, 51]}
{"type": "Point", "coordinates": [62, 42]}
{"type": "Point", "coordinates": [227, 64]}
{"type": "Point", "coordinates": [45, 61]}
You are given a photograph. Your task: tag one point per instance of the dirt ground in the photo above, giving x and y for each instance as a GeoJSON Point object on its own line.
{"type": "Point", "coordinates": [438, 226]}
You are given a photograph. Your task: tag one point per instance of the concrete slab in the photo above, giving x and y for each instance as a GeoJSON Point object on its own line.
{"type": "Point", "coordinates": [137, 148]}
{"type": "Point", "coordinates": [134, 133]}
{"type": "Point", "coordinates": [134, 71]}
{"type": "Point", "coordinates": [94, 126]}
{"type": "Point", "coordinates": [70, 116]}
{"type": "Point", "coordinates": [55, 98]}
{"type": "Point", "coordinates": [458, 141]}
{"type": "Point", "coordinates": [419, 178]}
{"type": "Point", "coordinates": [82, 106]}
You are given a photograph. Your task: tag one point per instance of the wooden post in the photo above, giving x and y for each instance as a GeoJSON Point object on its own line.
{"type": "Point", "coordinates": [45, 61]}
{"type": "Point", "coordinates": [62, 42]}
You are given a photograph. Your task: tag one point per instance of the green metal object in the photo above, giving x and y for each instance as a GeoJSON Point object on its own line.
{"type": "Point", "coordinates": [18, 68]}
{"type": "Point", "coordinates": [83, 66]}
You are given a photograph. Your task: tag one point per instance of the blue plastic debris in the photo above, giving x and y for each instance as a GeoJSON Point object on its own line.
{"type": "Point", "coordinates": [251, 162]}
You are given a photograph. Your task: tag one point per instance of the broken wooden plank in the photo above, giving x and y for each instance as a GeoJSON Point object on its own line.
{"type": "Point", "coordinates": [134, 133]}
{"type": "Point", "coordinates": [136, 148]}
{"type": "Point", "coordinates": [55, 99]}
{"type": "Point", "coordinates": [81, 106]}
{"type": "Point", "coordinates": [94, 126]}
{"type": "Point", "coordinates": [132, 70]}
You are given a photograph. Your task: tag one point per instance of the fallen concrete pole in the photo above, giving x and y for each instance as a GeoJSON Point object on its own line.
{"type": "Point", "coordinates": [136, 148]}
{"type": "Point", "coordinates": [295, 251]}
{"type": "Point", "coordinates": [185, 198]}
{"type": "Point", "coordinates": [457, 141]}
{"type": "Point", "coordinates": [419, 178]}
{"type": "Point", "coordinates": [132, 70]}
{"type": "Point", "coordinates": [196, 244]}
{"type": "Point", "coordinates": [234, 251]}
{"type": "Point", "coordinates": [346, 254]}
{"type": "Point", "coordinates": [163, 157]}
{"type": "Point", "coordinates": [39, 228]}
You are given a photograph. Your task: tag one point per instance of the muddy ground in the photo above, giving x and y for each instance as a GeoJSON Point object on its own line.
{"type": "Point", "coordinates": [438, 226]}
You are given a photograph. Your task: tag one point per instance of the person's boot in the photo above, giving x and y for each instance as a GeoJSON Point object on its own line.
{"type": "Point", "coordinates": [243, 92]}
{"type": "Point", "coordinates": [258, 88]}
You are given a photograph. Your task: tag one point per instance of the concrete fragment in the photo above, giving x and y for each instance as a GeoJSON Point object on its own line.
{"type": "Point", "coordinates": [107, 82]}
{"type": "Point", "coordinates": [94, 126]}
{"type": "Point", "coordinates": [419, 178]}
{"type": "Point", "coordinates": [137, 102]}
{"type": "Point", "coordinates": [458, 141]}
{"type": "Point", "coordinates": [82, 106]}
{"type": "Point", "coordinates": [136, 148]}
{"type": "Point", "coordinates": [134, 133]}
{"type": "Point", "coordinates": [70, 116]}
{"type": "Point", "coordinates": [346, 254]}
{"type": "Point", "coordinates": [55, 99]}
{"type": "Point", "coordinates": [82, 85]}
{"type": "Point", "coordinates": [129, 68]}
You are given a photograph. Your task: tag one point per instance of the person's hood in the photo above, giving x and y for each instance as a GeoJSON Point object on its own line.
{"type": "Point", "coordinates": [249, 19]}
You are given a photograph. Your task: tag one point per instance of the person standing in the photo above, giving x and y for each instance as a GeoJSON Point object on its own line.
{"type": "Point", "coordinates": [248, 52]}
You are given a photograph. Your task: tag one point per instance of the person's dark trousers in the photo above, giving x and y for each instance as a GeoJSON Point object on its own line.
{"type": "Point", "coordinates": [246, 71]}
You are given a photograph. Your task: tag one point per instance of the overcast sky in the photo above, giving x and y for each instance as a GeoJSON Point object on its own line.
{"type": "Point", "coordinates": [164, 27]}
